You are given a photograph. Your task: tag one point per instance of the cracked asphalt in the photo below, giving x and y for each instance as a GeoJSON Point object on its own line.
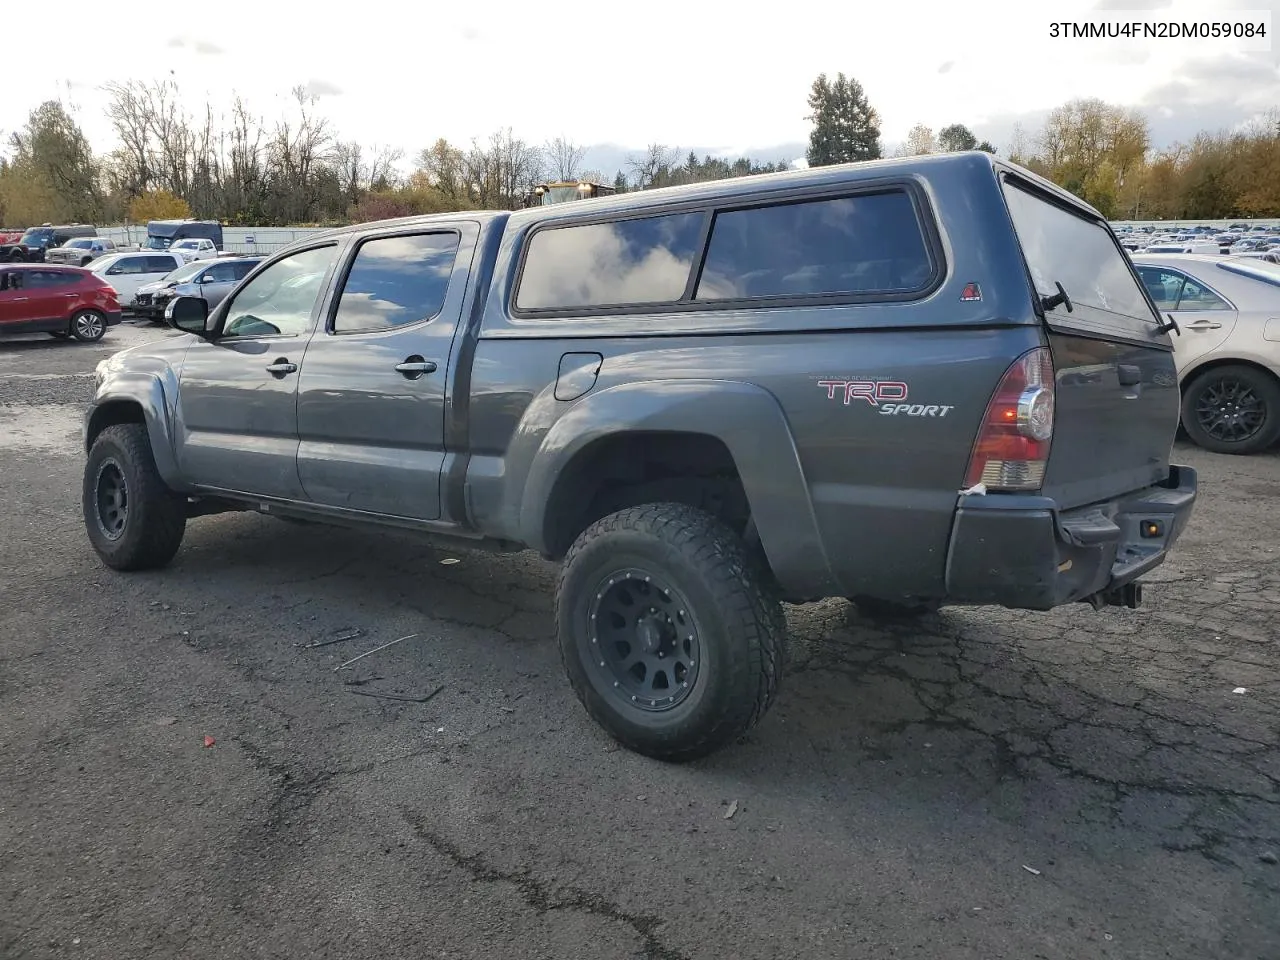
{"type": "Point", "coordinates": [985, 784]}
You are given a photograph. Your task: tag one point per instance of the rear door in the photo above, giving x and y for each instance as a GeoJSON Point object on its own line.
{"type": "Point", "coordinates": [50, 296]}
{"type": "Point", "coordinates": [1205, 316]}
{"type": "Point", "coordinates": [371, 394]}
{"type": "Point", "coordinates": [1117, 398]}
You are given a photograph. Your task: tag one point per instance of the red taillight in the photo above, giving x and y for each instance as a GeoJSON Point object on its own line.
{"type": "Point", "coordinates": [1012, 448]}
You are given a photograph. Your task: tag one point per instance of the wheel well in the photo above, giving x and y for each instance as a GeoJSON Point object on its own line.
{"type": "Point", "coordinates": [1225, 362]}
{"type": "Point", "coordinates": [110, 415]}
{"type": "Point", "coordinates": [628, 469]}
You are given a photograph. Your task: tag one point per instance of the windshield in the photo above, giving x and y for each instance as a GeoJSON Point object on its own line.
{"type": "Point", "coordinates": [81, 244]}
{"type": "Point", "coordinates": [157, 243]}
{"type": "Point", "coordinates": [36, 237]}
{"type": "Point", "coordinates": [186, 272]}
{"type": "Point", "coordinates": [560, 195]}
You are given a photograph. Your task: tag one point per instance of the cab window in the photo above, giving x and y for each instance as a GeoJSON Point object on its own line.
{"type": "Point", "coordinates": [280, 300]}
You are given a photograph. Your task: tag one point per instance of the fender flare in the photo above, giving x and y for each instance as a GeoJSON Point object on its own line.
{"type": "Point", "coordinates": [751, 424]}
{"type": "Point", "coordinates": [145, 391]}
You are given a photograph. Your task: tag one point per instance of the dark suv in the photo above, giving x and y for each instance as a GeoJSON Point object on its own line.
{"type": "Point", "coordinates": [910, 383]}
{"type": "Point", "coordinates": [35, 241]}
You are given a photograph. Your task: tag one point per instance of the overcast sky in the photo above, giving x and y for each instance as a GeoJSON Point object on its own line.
{"type": "Point", "coordinates": [732, 77]}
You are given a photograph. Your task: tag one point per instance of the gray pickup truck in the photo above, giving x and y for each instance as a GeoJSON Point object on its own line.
{"type": "Point", "coordinates": [907, 383]}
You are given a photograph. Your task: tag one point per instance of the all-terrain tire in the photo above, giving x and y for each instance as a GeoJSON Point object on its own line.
{"type": "Point", "coordinates": [142, 527]}
{"type": "Point", "coordinates": [1250, 390]}
{"type": "Point", "coordinates": [739, 629]}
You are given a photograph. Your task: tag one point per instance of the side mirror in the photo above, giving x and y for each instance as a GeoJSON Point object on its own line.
{"type": "Point", "coordinates": [207, 278]}
{"type": "Point", "coordinates": [188, 314]}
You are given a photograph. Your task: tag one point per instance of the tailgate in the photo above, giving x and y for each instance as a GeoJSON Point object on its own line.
{"type": "Point", "coordinates": [1116, 386]}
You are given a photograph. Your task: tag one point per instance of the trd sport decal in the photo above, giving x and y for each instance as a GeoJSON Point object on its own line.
{"type": "Point", "coordinates": [887, 396]}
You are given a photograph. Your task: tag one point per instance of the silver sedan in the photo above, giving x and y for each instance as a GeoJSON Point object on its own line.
{"type": "Point", "coordinates": [1228, 356]}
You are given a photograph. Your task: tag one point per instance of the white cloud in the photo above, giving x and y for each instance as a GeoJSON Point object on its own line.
{"type": "Point", "coordinates": [406, 78]}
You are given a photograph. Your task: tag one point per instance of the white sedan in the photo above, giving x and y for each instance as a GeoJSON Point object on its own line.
{"type": "Point", "coordinates": [1228, 354]}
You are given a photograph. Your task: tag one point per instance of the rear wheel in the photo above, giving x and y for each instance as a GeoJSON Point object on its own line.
{"type": "Point", "coordinates": [669, 639]}
{"type": "Point", "coordinates": [88, 326]}
{"type": "Point", "coordinates": [134, 521]}
{"type": "Point", "coordinates": [1232, 409]}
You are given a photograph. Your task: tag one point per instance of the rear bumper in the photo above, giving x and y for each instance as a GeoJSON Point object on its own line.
{"type": "Point", "coordinates": [1025, 553]}
{"type": "Point", "coordinates": [113, 317]}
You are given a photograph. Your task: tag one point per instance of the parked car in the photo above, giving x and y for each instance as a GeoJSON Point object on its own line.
{"type": "Point", "coordinates": [129, 271]}
{"type": "Point", "coordinates": [1228, 309]}
{"type": "Point", "coordinates": [909, 382]}
{"type": "Point", "coordinates": [61, 301]}
{"type": "Point", "coordinates": [31, 247]}
{"type": "Point", "coordinates": [194, 248]}
{"type": "Point", "coordinates": [210, 281]}
{"type": "Point", "coordinates": [1197, 246]}
{"type": "Point", "coordinates": [81, 251]}
{"type": "Point", "coordinates": [144, 302]}
{"type": "Point", "coordinates": [1270, 255]}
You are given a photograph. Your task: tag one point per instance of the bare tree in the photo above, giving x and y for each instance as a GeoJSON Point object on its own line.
{"type": "Point", "coordinates": [501, 172]}
{"type": "Point", "coordinates": [297, 151]}
{"type": "Point", "coordinates": [654, 164]}
{"type": "Point", "coordinates": [564, 157]}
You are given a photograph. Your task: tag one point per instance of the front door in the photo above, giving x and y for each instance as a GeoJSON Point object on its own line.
{"type": "Point", "coordinates": [13, 299]}
{"type": "Point", "coordinates": [371, 395]}
{"type": "Point", "coordinates": [237, 402]}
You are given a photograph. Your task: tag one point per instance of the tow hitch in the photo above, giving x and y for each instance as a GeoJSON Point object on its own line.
{"type": "Point", "coordinates": [1130, 595]}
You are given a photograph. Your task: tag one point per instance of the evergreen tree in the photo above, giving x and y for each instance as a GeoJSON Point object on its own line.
{"type": "Point", "coordinates": [957, 137]}
{"type": "Point", "coordinates": [845, 125]}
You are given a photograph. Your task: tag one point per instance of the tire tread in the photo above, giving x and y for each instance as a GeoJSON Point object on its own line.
{"type": "Point", "coordinates": [161, 513]}
{"type": "Point", "coordinates": [750, 611]}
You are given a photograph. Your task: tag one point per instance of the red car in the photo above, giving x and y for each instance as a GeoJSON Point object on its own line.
{"type": "Point", "coordinates": [60, 301]}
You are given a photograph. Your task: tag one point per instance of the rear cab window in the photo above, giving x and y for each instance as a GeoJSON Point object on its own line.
{"type": "Point", "coordinates": [856, 247]}
{"type": "Point", "coordinates": [1068, 247]}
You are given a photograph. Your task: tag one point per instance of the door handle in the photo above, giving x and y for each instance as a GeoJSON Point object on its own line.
{"type": "Point", "coordinates": [281, 367]}
{"type": "Point", "coordinates": [19, 300]}
{"type": "Point", "coordinates": [1204, 325]}
{"type": "Point", "coordinates": [414, 367]}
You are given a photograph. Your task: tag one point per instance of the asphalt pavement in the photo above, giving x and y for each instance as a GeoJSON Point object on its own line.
{"type": "Point", "coordinates": [187, 770]}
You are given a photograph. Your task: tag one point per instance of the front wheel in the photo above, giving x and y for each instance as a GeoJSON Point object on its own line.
{"type": "Point", "coordinates": [88, 326]}
{"type": "Point", "coordinates": [134, 521]}
{"type": "Point", "coordinates": [1232, 409]}
{"type": "Point", "coordinates": [669, 639]}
